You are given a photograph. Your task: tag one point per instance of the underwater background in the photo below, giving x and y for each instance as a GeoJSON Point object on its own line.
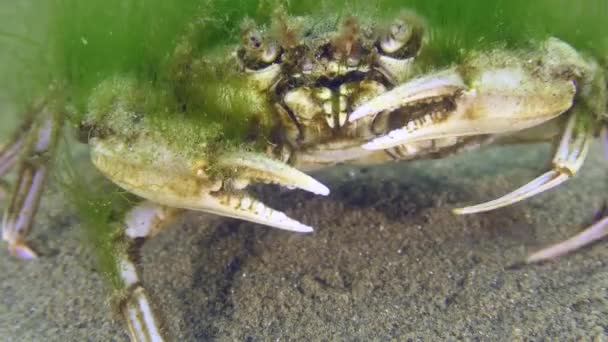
{"type": "Point", "coordinates": [388, 260]}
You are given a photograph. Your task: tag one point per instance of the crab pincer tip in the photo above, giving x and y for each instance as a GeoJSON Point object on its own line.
{"type": "Point", "coordinates": [23, 252]}
{"type": "Point", "coordinates": [320, 189]}
{"type": "Point", "coordinates": [360, 112]}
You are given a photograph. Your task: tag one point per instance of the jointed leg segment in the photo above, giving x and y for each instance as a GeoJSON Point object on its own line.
{"type": "Point", "coordinates": [35, 152]}
{"type": "Point", "coordinates": [141, 222]}
{"type": "Point", "coordinates": [569, 158]}
{"type": "Point", "coordinates": [597, 231]}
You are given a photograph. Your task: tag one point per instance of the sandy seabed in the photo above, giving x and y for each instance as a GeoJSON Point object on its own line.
{"type": "Point", "coordinates": [388, 261]}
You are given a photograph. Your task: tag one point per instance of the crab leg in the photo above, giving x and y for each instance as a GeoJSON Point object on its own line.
{"type": "Point", "coordinates": [569, 158]}
{"type": "Point", "coordinates": [141, 222]}
{"type": "Point", "coordinates": [38, 150]}
{"type": "Point", "coordinates": [9, 155]}
{"type": "Point", "coordinates": [604, 139]}
{"type": "Point", "coordinates": [3, 189]}
{"type": "Point", "coordinates": [597, 231]}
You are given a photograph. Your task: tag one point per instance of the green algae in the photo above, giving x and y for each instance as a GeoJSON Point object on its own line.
{"type": "Point", "coordinates": [82, 44]}
{"type": "Point", "coordinates": [100, 207]}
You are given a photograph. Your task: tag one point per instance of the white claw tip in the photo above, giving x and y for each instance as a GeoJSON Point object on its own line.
{"type": "Point", "coordinates": [459, 211]}
{"type": "Point", "coordinates": [393, 138]}
{"type": "Point", "coordinates": [305, 229]}
{"type": "Point", "coordinates": [371, 146]}
{"type": "Point", "coordinates": [360, 112]}
{"type": "Point", "coordinates": [279, 220]}
{"type": "Point", "coordinates": [23, 252]}
{"type": "Point", "coordinates": [320, 189]}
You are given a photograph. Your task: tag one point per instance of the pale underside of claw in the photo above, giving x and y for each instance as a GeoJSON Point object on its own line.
{"type": "Point", "coordinates": [569, 158]}
{"type": "Point", "coordinates": [195, 191]}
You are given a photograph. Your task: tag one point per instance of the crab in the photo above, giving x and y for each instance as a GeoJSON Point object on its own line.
{"type": "Point", "coordinates": [297, 96]}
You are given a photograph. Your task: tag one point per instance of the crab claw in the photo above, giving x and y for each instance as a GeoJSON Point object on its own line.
{"type": "Point", "coordinates": [165, 180]}
{"type": "Point", "coordinates": [488, 94]}
{"type": "Point", "coordinates": [441, 105]}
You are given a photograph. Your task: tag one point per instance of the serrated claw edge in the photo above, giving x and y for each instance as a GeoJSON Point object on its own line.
{"type": "Point", "coordinates": [242, 206]}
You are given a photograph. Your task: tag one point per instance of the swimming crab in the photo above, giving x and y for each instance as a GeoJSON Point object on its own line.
{"type": "Point", "coordinates": [300, 95]}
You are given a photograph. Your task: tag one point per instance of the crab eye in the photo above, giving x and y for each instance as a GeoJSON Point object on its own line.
{"type": "Point", "coordinates": [403, 38]}
{"type": "Point", "coordinates": [258, 51]}
{"type": "Point", "coordinates": [397, 36]}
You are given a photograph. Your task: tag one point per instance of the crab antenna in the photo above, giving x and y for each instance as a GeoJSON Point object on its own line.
{"type": "Point", "coordinates": [570, 155]}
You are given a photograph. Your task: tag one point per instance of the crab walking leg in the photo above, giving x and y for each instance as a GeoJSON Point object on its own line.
{"type": "Point", "coordinates": [141, 222]}
{"type": "Point", "coordinates": [569, 158]}
{"type": "Point", "coordinates": [596, 232]}
{"type": "Point", "coordinates": [3, 189]}
{"type": "Point", "coordinates": [38, 152]}
{"type": "Point", "coordinates": [9, 155]}
{"type": "Point", "coordinates": [604, 139]}
{"type": "Point", "coordinates": [10, 152]}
